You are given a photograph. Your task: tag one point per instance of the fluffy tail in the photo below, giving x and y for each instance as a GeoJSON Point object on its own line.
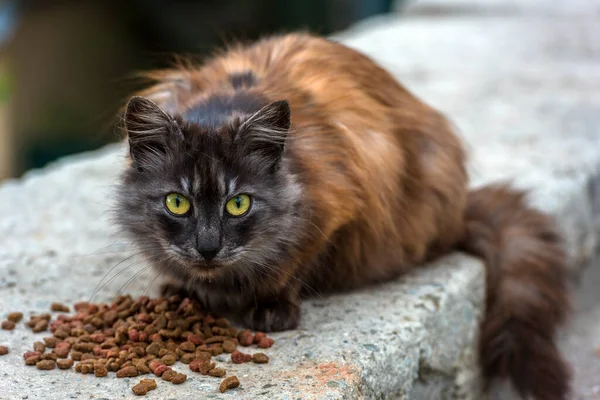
{"type": "Point", "coordinates": [526, 292]}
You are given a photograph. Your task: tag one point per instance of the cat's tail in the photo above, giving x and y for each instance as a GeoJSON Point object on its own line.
{"type": "Point", "coordinates": [526, 292]}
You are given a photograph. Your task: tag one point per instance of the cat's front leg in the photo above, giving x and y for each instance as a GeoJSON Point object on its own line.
{"type": "Point", "coordinates": [274, 313]}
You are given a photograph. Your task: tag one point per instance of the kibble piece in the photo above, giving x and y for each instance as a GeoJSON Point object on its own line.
{"type": "Point", "coordinates": [49, 356]}
{"type": "Point", "coordinates": [3, 350]}
{"type": "Point", "coordinates": [59, 307]}
{"type": "Point", "coordinates": [195, 339]}
{"type": "Point", "coordinates": [8, 325]}
{"type": "Point", "coordinates": [215, 350]}
{"type": "Point", "coordinates": [144, 386]}
{"type": "Point", "coordinates": [84, 368]}
{"type": "Point", "coordinates": [259, 336]}
{"type": "Point", "coordinates": [39, 346]}
{"type": "Point", "coordinates": [32, 360]}
{"type": "Point", "coordinates": [187, 358]}
{"type": "Point", "coordinates": [100, 370]}
{"type": "Point", "coordinates": [220, 331]}
{"type": "Point", "coordinates": [205, 367]}
{"type": "Point", "coordinates": [179, 378]}
{"type": "Point", "coordinates": [246, 338]}
{"type": "Point", "coordinates": [31, 354]}
{"type": "Point", "coordinates": [76, 355]}
{"type": "Point", "coordinates": [169, 375]}
{"type": "Point", "coordinates": [169, 359]}
{"type": "Point", "coordinates": [230, 382]}
{"type": "Point", "coordinates": [217, 372]}
{"type": "Point", "coordinates": [187, 346]}
{"type": "Point", "coordinates": [50, 342]}
{"type": "Point", "coordinates": [265, 343]}
{"type": "Point", "coordinates": [202, 355]}
{"type": "Point", "coordinates": [84, 347]}
{"type": "Point", "coordinates": [238, 357]}
{"type": "Point", "coordinates": [215, 339]}
{"type": "Point", "coordinates": [195, 365]}
{"type": "Point", "coordinates": [141, 366]}
{"type": "Point", "coordinates": [163, 352]}
{"type": "Point", "coordinates": [113, 366]}
{"type": "Point", "coordinates": [87, 356]}
{"type": "Point", "coordinates": [64, 363]}
{"type": "Point", "coordinates": [62, 349]}
{"type": "Point", "coordinates": [140, 389]}
{"type": "Point", "coordinates": [40, 326]}
{"type": "Point", "coordinates": [46, 364]}
{"type": "Point", "coordinates": [45, 316]}
{"type": "Point", "coordinates": [154, 364]}
{"type": "Point", "coordinates": [161, 369]}
{"type": "Point", "coordinates": [61, 333]}
{"type": "Point", "coordinates": [81, 306]}
{"type": "Point", "coordinates": [15, 316]}
{"type": "Point", "coordinates": [229, 346]}
{"type": "Point", "coordinates": [153, 348]}
{"type": "Point", "coordinates": [127, 372]}
{"type": "Point", "coordinates": [150, 383]}
{"type": "Point", "coordinates": [260, 358]}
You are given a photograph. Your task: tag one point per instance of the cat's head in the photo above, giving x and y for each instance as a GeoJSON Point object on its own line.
{"type": "Point", "coordinates": [205, 201]}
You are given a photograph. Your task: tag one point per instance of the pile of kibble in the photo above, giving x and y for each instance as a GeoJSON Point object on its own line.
{"type": "Point", "coordinates": [138, 337]}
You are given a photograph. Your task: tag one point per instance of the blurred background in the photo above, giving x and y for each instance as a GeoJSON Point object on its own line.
{"type": "Point", "coordinates": [66, 65]}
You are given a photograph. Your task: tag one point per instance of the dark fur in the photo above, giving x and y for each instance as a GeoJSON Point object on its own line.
{"type": "Point", "coordinates": [355, 181]}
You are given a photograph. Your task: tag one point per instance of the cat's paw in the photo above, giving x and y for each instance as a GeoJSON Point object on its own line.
{"type": "Point", "coordinates": [273, 316]}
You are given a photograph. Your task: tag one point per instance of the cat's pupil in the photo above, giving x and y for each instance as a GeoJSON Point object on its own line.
{"type": "Point", "coordinates": [238, 202]}
{"type": "Point", "coordinates": [177, 201]}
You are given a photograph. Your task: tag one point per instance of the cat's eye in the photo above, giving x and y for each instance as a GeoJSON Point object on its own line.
{"type": "Point", "coordinates": [239, 205]}
{"type": "Point", "coordinates": [177, 204]}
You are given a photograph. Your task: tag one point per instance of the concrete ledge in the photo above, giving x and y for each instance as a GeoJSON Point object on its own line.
{"type": "Point", "coordinates": [527, 109]}
{"type": "Point", "coordinates": [404, 337]}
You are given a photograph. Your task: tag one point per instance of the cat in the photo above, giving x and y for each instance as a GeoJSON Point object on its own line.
{"type": "Point", "coordinates": [295, 165]}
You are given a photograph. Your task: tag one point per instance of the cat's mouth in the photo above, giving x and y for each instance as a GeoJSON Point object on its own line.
{"type": "Point", "coordinates": [197, 263]}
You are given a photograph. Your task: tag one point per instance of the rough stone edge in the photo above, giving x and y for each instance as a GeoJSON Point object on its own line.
{"type": "Point", "coordinates": [432, 372]}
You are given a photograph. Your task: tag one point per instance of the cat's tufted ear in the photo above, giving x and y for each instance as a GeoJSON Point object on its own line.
{"type": "Point", "coordinates": [264, 133]}
{"type": "Point", "coordinates": [149, 129]}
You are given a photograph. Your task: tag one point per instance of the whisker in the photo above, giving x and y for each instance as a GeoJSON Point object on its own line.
{"type": "Point", "coordinates": [110, 270]}
{"type": "Point", "coordinates": [120, 272]}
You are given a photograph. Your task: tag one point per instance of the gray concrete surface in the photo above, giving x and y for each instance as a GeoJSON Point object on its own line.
{"type": "Point", "coordinates": [57, 245]}
{"type": "Point", "coordinates": [523, 90]}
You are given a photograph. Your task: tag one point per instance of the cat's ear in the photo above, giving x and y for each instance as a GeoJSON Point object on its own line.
{"type": "Point", "coordinates": [149, 129]}
{"type": "Point", "coordinates": [264, 133]}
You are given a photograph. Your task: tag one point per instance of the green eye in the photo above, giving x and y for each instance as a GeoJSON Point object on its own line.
{"type": "Point", "coordinates": [177, 204]}
{"type": "Point", "coordinates": [239, 205]}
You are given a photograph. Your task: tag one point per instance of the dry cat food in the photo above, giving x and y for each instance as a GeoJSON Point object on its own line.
{"type": "Point", "coordinates": [132, 337]}
{"type": "Point", "coordinates": [59, 307]}
{"type": "Point", "coordinates": [230, 382]}
{"type": "Point", "coordinates": [3, 350]}
{"type": "Point", "coordinates": [144, 387]}
{"type": "Point", "coordinates": [15, 316]}
{"type": "Point", "coordinates": [8, 325]}
{"type": "Point", "coordinates": [260, 358]}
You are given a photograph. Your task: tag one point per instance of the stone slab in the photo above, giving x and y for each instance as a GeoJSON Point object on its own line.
{"type": "Point", "coordinates": [57, 245]}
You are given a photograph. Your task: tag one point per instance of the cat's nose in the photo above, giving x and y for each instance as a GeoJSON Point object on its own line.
{"type": "Point", "coordinates": [208, 243]}
{"type": "Point", "coordinates": [209, 254]}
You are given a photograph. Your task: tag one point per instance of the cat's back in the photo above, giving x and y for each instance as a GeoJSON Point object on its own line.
{"type": "Point", "coordinates": [324, 81]}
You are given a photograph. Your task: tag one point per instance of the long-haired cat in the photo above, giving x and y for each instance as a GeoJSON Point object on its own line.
{"type": "Point", "coordinates": [296, 164]}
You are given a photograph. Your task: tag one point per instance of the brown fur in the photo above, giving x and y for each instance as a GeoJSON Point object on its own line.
{"type": "Point", "coordinates": [385, 189]}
